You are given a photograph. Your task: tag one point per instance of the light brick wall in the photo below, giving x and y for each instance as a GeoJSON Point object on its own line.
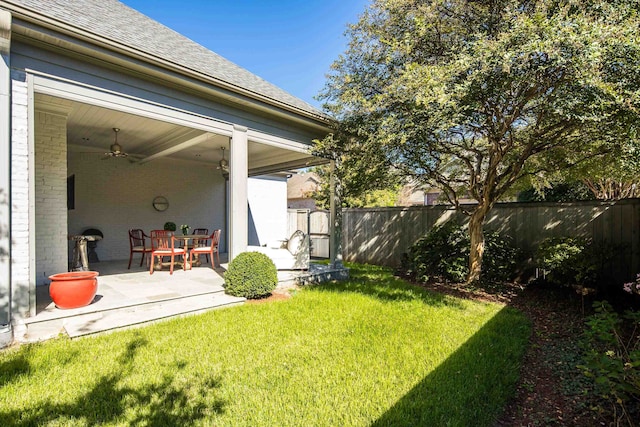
{"type": "Point", "coordinates": [115, 195]}
{"type": "Point", "coordinates": [20, 233]}
{"type": "Point", "coordinates": [50, 194]}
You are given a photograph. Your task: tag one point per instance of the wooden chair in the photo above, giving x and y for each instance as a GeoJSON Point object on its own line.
{"type": "Point", "coordinates": [210, 247]}
{"type": "Point", "coordinates": [163, 244]}
{"type": "Point", "coordinates": [200, 231]}
{"type": "Point", "coordinates": [138, 244]}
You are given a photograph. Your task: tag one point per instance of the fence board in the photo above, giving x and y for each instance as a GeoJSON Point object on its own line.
{"type": "Point", "coordinates": [382, 235]}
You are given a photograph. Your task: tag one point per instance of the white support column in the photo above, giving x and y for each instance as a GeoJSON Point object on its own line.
{"type": "Point", "coordinates": [238, 203]}
{"type": "Point", "coordinates": [6, 334]}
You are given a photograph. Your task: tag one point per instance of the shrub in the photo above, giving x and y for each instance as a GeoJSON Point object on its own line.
{"type": "Point", "coordinates": [251, 275]}
{"type": "Point", "coordinates": [612, 360]}
{"type": "Point", "coordinates": [444, 252]}
{"type": "Point", "coordinates": [570, 261]}
{"type": "Point", "coordinates": [170, 226]}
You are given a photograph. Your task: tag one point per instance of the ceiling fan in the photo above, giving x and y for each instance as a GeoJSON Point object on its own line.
{"type": "Point", "coordinates": [115, 150]}
{"type": "Point", "coordinates": [223, 164]}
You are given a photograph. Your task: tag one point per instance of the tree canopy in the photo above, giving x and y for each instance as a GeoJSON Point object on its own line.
{"type": "Point", "coordinates": [473, 96]}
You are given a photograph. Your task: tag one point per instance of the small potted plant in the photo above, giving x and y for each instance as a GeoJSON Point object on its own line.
{"type": "Point", "coordinates": [170, 226]}
{"type": "Point", "coordinates": [185, 229]}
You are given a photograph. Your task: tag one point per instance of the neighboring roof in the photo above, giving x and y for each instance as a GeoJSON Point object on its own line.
{"type": "Point", "coordinates": [301, 185]}
{"type": "Point", "coordinates": [115, 21]}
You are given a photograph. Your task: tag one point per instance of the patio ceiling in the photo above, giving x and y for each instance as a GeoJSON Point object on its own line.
{"type": "Point", "coordinates": [90, 130]}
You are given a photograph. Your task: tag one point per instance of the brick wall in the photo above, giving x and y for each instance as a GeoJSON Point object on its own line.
{"type": "Point", "coordinates": [20, 233]}
{"type": "Point", "coordinates": [115, 195]}
{"type": "Point", "coordinates": [50, 194]}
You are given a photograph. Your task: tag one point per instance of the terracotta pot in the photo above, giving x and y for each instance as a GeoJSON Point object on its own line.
{"type": "Point", "coordinates": [73, 289]}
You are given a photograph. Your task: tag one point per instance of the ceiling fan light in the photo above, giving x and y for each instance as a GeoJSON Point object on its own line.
{"type": "Point", "coordinates": [116, 148]}
{"type": "Point", "coordinates": [223, 163]}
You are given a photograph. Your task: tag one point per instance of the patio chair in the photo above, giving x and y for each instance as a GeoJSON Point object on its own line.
{"type": "Point", "coordinates": [200, 231]}
{"type": "Point", "coordinates": [163, 244]}
{"type": "Point", "coordinates": [137, 244]}
{"type": "Point", "coordinates": [210, 247]}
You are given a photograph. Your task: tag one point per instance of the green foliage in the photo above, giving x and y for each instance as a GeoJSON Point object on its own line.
{"type": "Point", "coordinates": [561, 257]}
{"type": "Point", "coordinates": [612, 360]}
{"type": "Point", "coordinates": [170, 226]}
{"type": "Point", "coordinates": [472, 97]}
{"type": "Point", "coordinates": [444, 252]}
{"type": "Point", "coordinates": [250, 275]}
{"type": "Point", "coordinates": [558, 192]}
{"type": "Point", "coordinates": [570, 261]}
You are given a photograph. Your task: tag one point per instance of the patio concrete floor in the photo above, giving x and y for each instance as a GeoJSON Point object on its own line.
{"type": "Point", "coordinates": [126, 298]}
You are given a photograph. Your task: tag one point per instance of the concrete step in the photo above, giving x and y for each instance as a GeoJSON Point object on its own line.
{"type": "Point", "coordinates": [96, 322]}
{"type": "Point", "coordinates": [136, 315]}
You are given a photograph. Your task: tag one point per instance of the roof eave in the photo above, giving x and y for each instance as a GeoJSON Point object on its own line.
{"type": "Point", "coordinates": [32, 17]}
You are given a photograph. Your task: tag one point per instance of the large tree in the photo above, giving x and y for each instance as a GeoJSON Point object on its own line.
{"type": "Point", "coordinates": [473, 96]}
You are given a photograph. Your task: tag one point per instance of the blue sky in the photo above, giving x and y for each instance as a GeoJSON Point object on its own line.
{"type": "Point", "coordinates": [290, 43]}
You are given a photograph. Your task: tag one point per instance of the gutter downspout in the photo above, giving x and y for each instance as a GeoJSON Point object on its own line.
{"type": "Point", "coordinates": [6, 333]}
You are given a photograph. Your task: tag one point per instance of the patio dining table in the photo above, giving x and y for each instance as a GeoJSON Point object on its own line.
{"type": "Point", "coordinates": [195, 237]}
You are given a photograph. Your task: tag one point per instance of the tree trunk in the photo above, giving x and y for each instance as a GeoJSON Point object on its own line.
{"type": "Point", "coordinates": [476, 236]}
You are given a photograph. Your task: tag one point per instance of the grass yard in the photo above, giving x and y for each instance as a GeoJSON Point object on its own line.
{"type": "Point", "coordinates": [372, 351]}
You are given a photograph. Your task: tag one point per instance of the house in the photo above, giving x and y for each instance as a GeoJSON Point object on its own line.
{"type": "Point", "coordinates": [113, 121]}
{"type": "Point", "coordinates": [413, 194]}
{"type": "Point", "coordinates": [300, 189]}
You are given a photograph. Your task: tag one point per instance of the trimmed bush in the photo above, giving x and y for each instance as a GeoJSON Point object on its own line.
{"type": "Point", "coordinates": [251, 275]}
{"type": "Point", "coordinates": [570, 261]}
{"type": "Point", "coordinates": [444, 253]}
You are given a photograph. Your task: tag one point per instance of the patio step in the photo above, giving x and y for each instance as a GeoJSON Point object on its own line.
{"type": "Point", "coordinates": [96, 322]}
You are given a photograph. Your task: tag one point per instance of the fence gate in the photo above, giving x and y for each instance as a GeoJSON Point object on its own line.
{"type": "Point", "coordinates": [316, 225]}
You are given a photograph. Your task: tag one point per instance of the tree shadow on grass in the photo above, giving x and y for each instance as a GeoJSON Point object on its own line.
{"type": "Point", "coordinates": [15, 367]}
{"type": "Point", "coordinates": [379, 282]}
{"type": "Point", "coordinates": [473, 385]}
{"type": "Point", "coordinates": [166, 401]}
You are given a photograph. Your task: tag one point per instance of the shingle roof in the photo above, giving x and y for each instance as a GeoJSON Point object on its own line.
{"type": "Point", "coordinates": [301, 185]}
{"type": "Point", "coordinates": [113, 20]}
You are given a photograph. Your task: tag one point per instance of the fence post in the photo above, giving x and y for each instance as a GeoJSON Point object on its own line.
{"type": "Point", "coordinates": [335, 216]}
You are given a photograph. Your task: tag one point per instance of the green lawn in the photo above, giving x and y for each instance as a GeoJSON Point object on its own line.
{"type": "Point", "coordinates": [369, 351]}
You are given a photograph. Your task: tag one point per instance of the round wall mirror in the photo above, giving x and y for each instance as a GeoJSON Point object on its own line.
{"type": "Point", "coordinates": [160, 203]}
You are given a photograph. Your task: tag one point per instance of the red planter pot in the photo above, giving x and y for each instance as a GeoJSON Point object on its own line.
{"type": "Point", "coordinates": [74, 289]}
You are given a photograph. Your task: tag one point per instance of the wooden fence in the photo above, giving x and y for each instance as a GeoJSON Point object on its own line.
{"type": "Point", "coordinates": [382, 235]}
